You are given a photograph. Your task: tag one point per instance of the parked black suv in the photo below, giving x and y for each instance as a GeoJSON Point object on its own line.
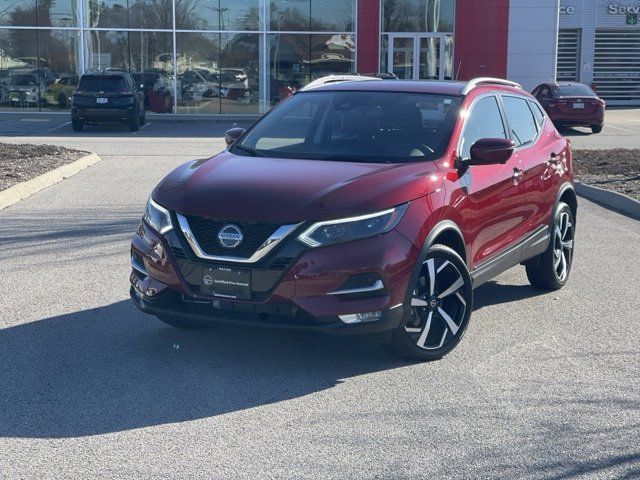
{"type": "Point", "coordinates": [107, 97]}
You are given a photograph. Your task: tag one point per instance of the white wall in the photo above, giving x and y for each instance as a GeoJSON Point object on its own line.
{"type": "Point", "coordinates": [533, 41]}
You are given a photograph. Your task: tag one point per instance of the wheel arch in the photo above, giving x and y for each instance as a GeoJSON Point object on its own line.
{"type": "Point", "coordinates": [566, 194]}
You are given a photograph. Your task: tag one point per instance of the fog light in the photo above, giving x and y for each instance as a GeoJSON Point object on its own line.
{"type": "Point", "coordinates": [361, 317]}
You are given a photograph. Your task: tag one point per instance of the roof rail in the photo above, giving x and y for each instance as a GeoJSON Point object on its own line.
{"type": "Point", "coordinates": [474, 82]}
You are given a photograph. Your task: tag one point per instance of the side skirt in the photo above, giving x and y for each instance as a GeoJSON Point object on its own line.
{"type": "Point", "coordinates": [529, 247]}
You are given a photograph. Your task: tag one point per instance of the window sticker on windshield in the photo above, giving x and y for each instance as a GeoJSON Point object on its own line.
{"type": "Point", "coordinates": [446, 101]}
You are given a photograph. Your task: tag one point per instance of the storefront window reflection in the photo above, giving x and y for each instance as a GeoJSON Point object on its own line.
{"type": "Point", "coordinates": [296, 59]}
{"type": "Point", "coordinates": [38, 69]}
{"type": "Point", "coordinates": [227, 58]}
{"type": "Point", "coordinates": [418, 15]}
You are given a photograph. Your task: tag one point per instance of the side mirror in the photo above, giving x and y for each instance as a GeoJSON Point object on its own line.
{"type": "Point", "coordinates": [233, 134]}
{"type": "Point", "coordinates": [491, 151]}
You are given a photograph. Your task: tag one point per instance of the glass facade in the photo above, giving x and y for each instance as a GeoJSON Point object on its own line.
{"type": "Point", "coordinates": [417, 39]}
{"type": "Point", "coordinates": [189, 56]}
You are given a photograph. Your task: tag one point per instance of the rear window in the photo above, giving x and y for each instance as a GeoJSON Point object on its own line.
{"type": "Point", "coordinates": [520, 119]}
{"type": "Point", "coordinates": [573, 91]}
{"type": "Point", "coordinates": [374, 127]}
{"type": "Point", "coordinates": [102, 84]}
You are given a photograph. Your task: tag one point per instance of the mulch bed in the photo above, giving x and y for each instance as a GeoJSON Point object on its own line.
{"type": "Point", "coordinates": [617, 170]}
{"type": "Point", "coordinates": [23, 162]}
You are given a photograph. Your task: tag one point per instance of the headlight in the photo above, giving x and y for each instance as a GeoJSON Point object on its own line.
{"type": "Point", "coordinates": [353, 228]}
{"type": "Point", "coordinates": [158, 217]}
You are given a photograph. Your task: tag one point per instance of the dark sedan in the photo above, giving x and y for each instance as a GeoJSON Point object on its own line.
{"type": "Point", "coordinates": [571, 104]}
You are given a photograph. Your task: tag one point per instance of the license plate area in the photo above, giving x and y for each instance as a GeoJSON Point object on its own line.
{"type": "Point", "coordinates": [578, 105]}
{"type": "Point", "coordinates": [226, 282]}
{"type": "Point", "coordinates": [102, 100]}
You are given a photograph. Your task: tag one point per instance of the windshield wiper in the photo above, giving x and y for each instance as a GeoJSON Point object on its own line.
{"type": "Point", "coordinates": [346, 158]}
{"type": "Point", "coordinates": [251, 151]}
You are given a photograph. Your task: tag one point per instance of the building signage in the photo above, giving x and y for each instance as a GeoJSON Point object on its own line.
{"type": "Point", "coordinates": [615, 9]}
{"type": "Point", "coordinates": [567, 10]}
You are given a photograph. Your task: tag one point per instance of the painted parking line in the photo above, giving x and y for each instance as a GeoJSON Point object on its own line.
{"type": "Point", "coordinates": [618, 128]}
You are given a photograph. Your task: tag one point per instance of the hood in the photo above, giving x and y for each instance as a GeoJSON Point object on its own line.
{"type": "Point", "coordinates": [234, 187]}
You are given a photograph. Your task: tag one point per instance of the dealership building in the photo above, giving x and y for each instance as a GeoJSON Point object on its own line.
{"type": "Point", "coordinates": [231, 57]}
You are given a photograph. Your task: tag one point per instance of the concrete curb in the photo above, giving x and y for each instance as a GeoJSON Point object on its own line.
{"type": "Point", "coordinates": [613, 200]}
{"type": "Point", "coordinates": [13, 195]}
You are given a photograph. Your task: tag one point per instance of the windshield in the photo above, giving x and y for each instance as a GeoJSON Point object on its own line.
{"type": "Point", "coordinates": [106, 83]}
{"type": "Point", "coordinates": [23, 80]}
{"type": "Point", "coordinates": [375, 127]}
{"type": "Point", "coordinates": [573, 91]}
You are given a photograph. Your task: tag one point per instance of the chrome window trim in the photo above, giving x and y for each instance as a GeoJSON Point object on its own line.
{"type": "Point", "coordinates": [373, 288]}
{"type": "Point", "coordinates": [268, 245]}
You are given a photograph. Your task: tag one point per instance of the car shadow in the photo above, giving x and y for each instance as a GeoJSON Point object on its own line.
{"type": "Point", "coordinates": [493, 293]}
{"type": "Point", "coordinates": [574, 132]}
{"type": "Point", "coordinates": [113, 368]}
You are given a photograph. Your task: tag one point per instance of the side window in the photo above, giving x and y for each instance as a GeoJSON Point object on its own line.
{"type": "Point", "coordinates": [485, 121]}
{"type": "Point", "coordinates": [520, 120]}
{"type": "Point", "coordinates": [537, 113]}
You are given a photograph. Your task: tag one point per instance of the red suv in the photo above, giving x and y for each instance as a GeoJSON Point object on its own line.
{"type": "Point", "coordinates": [362, 207]}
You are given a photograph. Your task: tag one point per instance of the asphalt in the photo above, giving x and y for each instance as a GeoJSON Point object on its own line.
{"type": "Point", "coordinates": [544, 385]}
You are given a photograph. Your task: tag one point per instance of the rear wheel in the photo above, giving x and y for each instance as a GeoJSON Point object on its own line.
{"type": "Point", "coordinates": [143, 117]}
{"type": "Point", "coordinates": [183, 324]}
{"type": "Point", "coordinates": [596, 128]}
{"type": "Point", "coordinates": [441, 302]}
{"type": "Point", "coordinates": [550, 270]}
{"type": "Point", "coordinates": [77, 125]}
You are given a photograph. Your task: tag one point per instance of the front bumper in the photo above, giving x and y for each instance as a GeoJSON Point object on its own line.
{"type": "Point", "coordinates": [291, 287]}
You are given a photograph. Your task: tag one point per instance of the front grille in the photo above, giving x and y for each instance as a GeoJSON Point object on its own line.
{"type": "Point", "coordinates": [206, 231]}
{"type": "Point", "coordinates": [280, 309]}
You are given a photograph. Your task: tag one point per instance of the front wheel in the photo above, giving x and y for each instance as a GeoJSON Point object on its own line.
{"type": "Point", "coordinates": [550, 270]}
{"type": "Point", "coordinates": [134, 123]}
{"type": "Point", "coordinates": [441, 301]}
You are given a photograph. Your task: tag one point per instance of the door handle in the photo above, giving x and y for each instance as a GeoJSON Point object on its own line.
{"type": "Point", "coordinates": [517, 174]}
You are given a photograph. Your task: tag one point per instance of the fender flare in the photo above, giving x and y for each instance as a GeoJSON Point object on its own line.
{"type": "Point", "coordinates": [440, 227]}
{"type": "Point", "coordinates": [565, 187]}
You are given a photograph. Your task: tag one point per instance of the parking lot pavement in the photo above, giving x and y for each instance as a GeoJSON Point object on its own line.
{"type": "Point", "coordinates": [544, 385]}
{"type": "Point", "coordinates": [621, 130]}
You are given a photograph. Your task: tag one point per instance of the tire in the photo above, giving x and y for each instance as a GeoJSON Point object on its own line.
{"type": "Point", "coordinates": [550, 270]}
{"type": "Point", "coordinates": [143, 118]}
{"type": "Point", "coordinates": [596, 128]}
{"type": "Point", "coordinates": [134, 123]}
{"type": "Point", "coordinates": [77, 125]}
{"type": "Point", "coordinates": [62, 100]}
{"type": "Point", "coordinates": [183, 324]}
{"type": "Point", "coordinates": [440, 304]}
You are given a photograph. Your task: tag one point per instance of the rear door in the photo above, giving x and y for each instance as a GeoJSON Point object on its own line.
{"type": "Point", "coordinates": [492, 211]}
{"type": "Point", "coordinates": [540, 151]}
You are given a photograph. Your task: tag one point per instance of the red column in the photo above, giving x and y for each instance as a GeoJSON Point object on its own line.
{"type": "Point", "coordinates": [481, 38]}
{"type": "Point", "coordinates": [368, 36]}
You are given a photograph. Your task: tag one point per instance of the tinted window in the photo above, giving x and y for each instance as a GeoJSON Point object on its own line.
{"type": "Point", "coordinates": [484, 121]}
{"type": "Point", "coordinates": [520, 119]}
{"type": "Point", "coordinates": [537, 113]}
{"type": "Point", "coordinates": [355, 126]}
{"type": "Point", "coordinates": [573, 91]}
{"type": "Point", "coordinates": [101, 84]}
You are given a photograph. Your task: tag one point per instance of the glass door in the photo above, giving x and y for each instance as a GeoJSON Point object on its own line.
{"type": "Point", "coordinates": [416, 56]}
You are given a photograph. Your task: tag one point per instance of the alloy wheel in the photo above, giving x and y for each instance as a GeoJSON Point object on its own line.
{"type": "Point", "coordinates": [562, 245]}
{"type": "Point", "coordinates": [439, 305]}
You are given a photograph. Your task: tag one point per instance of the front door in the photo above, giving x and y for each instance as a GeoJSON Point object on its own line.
{"type": "Point", "coordinates": [417, 56]}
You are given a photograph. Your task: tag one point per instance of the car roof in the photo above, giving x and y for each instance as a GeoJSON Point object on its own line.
{"type": "Point", "coordinates": [441, 87]}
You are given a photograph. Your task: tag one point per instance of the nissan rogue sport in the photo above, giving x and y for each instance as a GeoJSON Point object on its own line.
{"type": "Point", "coordinates": [356, 207]}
